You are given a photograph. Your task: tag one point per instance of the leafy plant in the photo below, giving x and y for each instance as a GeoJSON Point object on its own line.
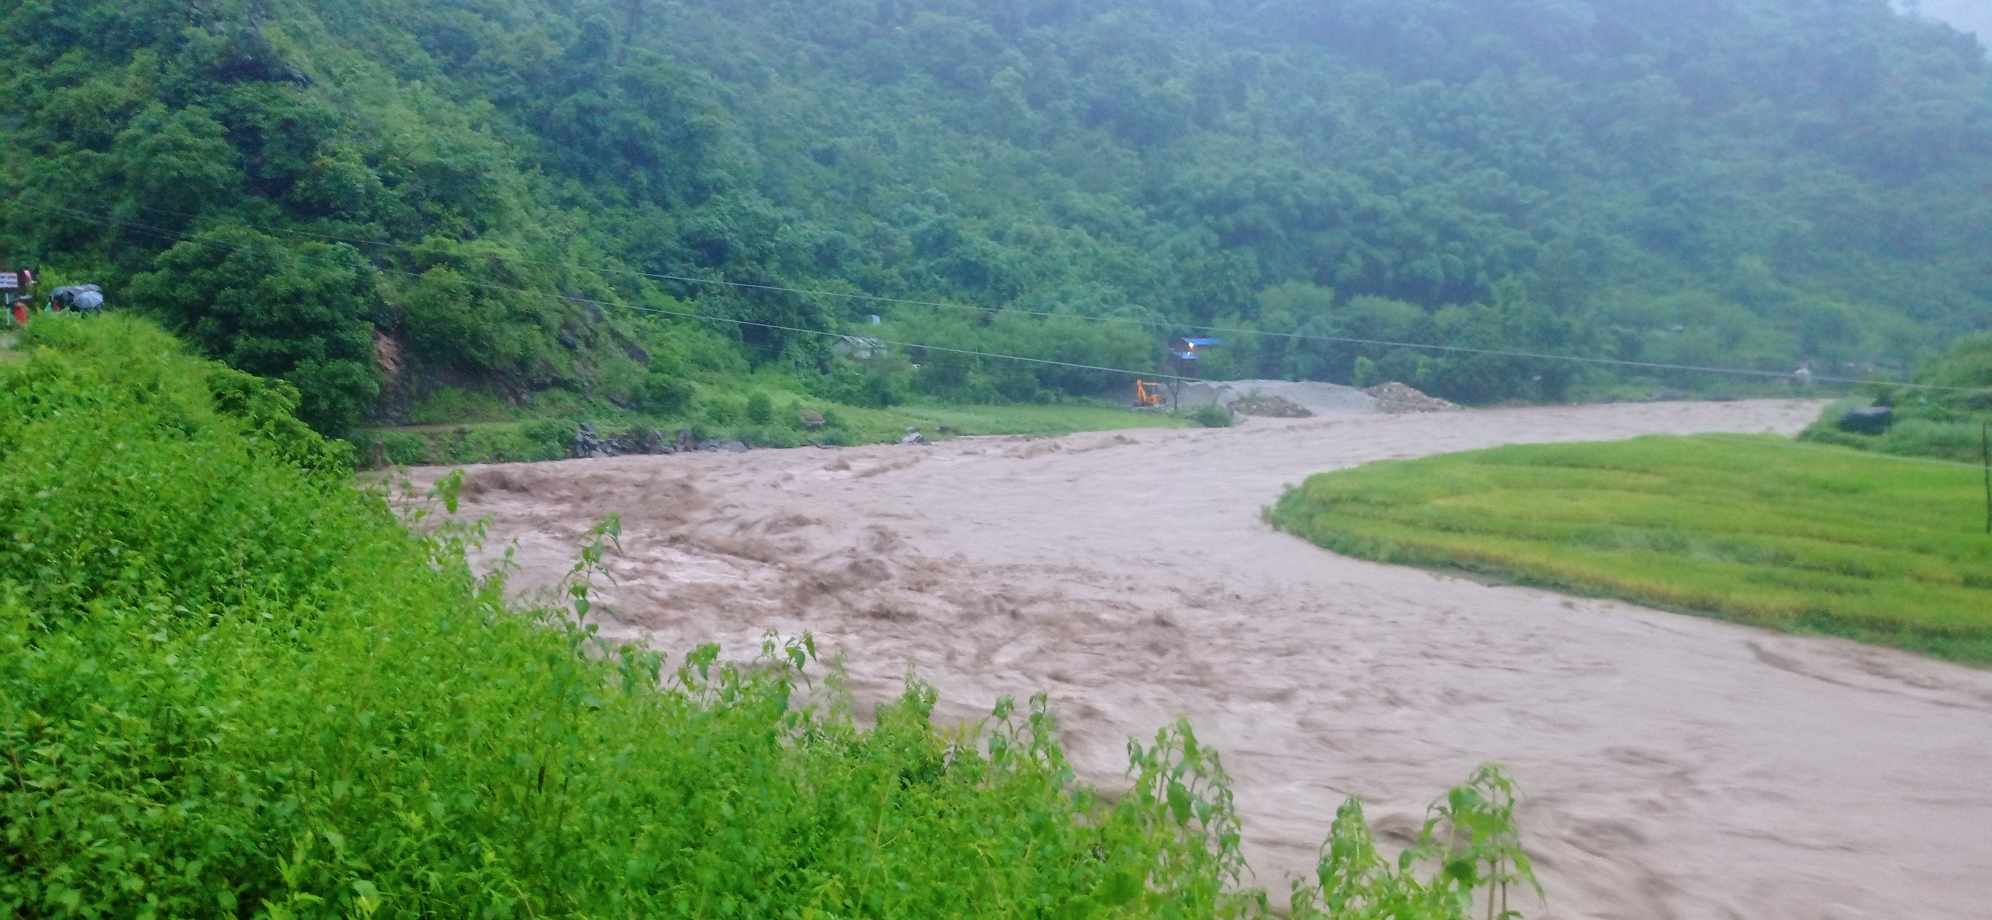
{"type": "Point", "coordinates": [760, 408]}
{"type": "Point", "coordinates": [666, 395]}
{"type": "Point", "coordinates": [232, 682]}
{"type": "Point", "coordinates": [1212, 416]}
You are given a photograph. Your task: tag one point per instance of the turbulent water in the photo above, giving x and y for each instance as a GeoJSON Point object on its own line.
{"type": "Point", "coordinates": [1677, 767]}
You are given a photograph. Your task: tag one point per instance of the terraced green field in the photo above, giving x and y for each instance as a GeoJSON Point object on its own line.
{"type": "Point", "coordinates": [1760, 530]}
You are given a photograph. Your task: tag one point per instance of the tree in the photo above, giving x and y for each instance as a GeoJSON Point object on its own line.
{"type": "Point", "coordinates": [298, 312]}
{"type": "Point", "coordinates": [176, 164]}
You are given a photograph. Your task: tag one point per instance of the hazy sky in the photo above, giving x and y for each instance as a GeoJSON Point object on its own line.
{"type": "Point", "coordinates": [1969, 15]}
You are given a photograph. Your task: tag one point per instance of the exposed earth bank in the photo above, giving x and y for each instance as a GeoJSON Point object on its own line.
{"type": "Point", "coordinates": [1676, 766]}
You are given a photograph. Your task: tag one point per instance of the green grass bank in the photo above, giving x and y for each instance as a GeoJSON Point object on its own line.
{"type": "Point", "coordinates": [514, 440]}
{"type": "Point", "coordinates": [1944, 416]}
{"type": "Point", "coordinates": [1759, 530]}
{"type": "Point", "coordinates": [232, 683]}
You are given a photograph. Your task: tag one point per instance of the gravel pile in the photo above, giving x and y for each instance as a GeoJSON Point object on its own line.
{"type": "Point", "coordinates": [1264, 405]}
{"type": "Point", "coordinates": [1403, 399]}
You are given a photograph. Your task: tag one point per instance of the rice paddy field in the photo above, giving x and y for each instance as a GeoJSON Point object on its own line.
{"type": "Point", "coordinates": [1760, 530]}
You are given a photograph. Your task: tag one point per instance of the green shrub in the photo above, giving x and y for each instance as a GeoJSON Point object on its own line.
{"type": "Point", "coordinates": [551, 439]}
{"type": "Point", "coordinates": [878, 384]}
{"type": "Point", "coordinates": [760, 408]}
{"type": "Point", "coordinates": [666, 395]}
{"type": "Point", "coordinates": [457, 406]}
{"type": "Point", "coordinates": [533, 442]}
{"type": "Point", "coordinates": [276, 308]}
{"type": "Point", "coordinates": [1956, 439]}
{"type": "Point", "coordinates": [1366, 374]}
{"type": "Point", "coordinates": [231, 683]}
{"type": "Point", "coordinates": [1212, 416]}
{"type": "Point", "coordinates": [620, 380]}
{"type": "Point", "coordinates": [551, 403]}
{"type": "Point", "coordinates": [1942, 423]}
{"type": "Point", "coordinates": [403, 449]}
{"type": "Point", "coordinates": [722, 411]}
{"type": "Point", "coordinates": [376, 449]}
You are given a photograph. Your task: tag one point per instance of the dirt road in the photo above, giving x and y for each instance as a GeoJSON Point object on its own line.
{"type": "Point", "coordinates": [1676, 767]}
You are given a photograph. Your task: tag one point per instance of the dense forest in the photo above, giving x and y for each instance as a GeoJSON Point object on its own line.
{"type": "Point", "coordinates": [373, 199]}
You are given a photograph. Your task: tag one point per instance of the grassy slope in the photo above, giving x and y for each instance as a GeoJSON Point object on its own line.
{"type": "Point", "coordinates": [231, 683]}
{"type": "Point", "coordinates": [1948, 422]}
{"type": "Point", "coordinates": [499, 440]}
{"type": "Point", "coordinates": [1915, 433]}
{"type": "Point", "coordinates": [1758, 530]}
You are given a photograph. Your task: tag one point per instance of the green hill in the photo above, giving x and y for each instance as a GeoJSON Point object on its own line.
{"type": "Point", "coordinates": [1738, 182]}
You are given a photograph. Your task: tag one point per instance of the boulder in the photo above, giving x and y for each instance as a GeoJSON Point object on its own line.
{"type": "Point", "coordinates": [589, 445]}
{"type": "Point", "coordinates": [1871, 420]}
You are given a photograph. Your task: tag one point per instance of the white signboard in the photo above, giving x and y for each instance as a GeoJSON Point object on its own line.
{"type": "Point", "coordinates": [10, 281]}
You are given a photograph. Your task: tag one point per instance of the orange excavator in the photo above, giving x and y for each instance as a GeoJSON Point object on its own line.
{"type": "Point", "coordinates": [1149, 395]}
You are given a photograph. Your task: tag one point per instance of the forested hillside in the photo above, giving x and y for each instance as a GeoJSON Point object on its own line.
{"type": "Point", "coordinates": [374, 198]}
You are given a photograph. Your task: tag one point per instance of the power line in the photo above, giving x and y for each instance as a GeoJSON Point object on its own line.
{"type": "Point", "coordinates": [1151, 324]}
{"type": "Point", "coordinates": [699, 317]}
{"type": "Point", "coordinates": [167, 234]}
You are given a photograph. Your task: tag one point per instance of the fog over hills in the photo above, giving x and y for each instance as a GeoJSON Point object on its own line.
{"type": "Point", "coordinates": [1969, 15]}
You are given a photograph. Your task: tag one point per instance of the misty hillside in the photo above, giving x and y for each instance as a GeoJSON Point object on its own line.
{"type": "Point", "coordinates": [1967, 15]}
{"type": "Point", "coordinates": [1738, 182]}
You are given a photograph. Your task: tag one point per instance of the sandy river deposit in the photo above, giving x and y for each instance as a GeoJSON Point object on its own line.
{"type": "Point", "coordinates": [1675, 766]}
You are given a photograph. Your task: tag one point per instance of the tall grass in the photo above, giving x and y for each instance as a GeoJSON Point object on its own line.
{"type": "Point", "coordinates": [231, 683]}
{"type": "Point", "coordinates": [1757, 529]}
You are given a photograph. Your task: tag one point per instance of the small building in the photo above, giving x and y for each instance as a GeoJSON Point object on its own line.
{"type": "Point", "coordinates": [1183, 354]}
{"type": "Point", "coordinates": [858, 347]}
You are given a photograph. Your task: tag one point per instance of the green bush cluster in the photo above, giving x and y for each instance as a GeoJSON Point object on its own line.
{"type": "Point", "coordinates": [1946, 418]}
{"type": "Point", "coordinates": [1212, 416]}
{"type": "Point", "coordinates": [666, 394]}
{"type": "Point", "coordinates": [760, 408]}
{"type": "Point", "coordinates": [232, 683]}
{"type": "Point", "coordinates": [456, 406]}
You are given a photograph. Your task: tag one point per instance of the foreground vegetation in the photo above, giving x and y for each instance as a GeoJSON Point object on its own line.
{"type": "Point", "coordinates": [1755, 529]}
{"type": "Point", "coordinates": [231, 683]}
{"type": "Point", "coordinates": [483, 183]}
{"type": "Point", "coordinates": [1946, 423]}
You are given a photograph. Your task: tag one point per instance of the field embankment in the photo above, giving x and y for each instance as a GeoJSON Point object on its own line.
{"type": "Point", "coordinates": [1758, 530]}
